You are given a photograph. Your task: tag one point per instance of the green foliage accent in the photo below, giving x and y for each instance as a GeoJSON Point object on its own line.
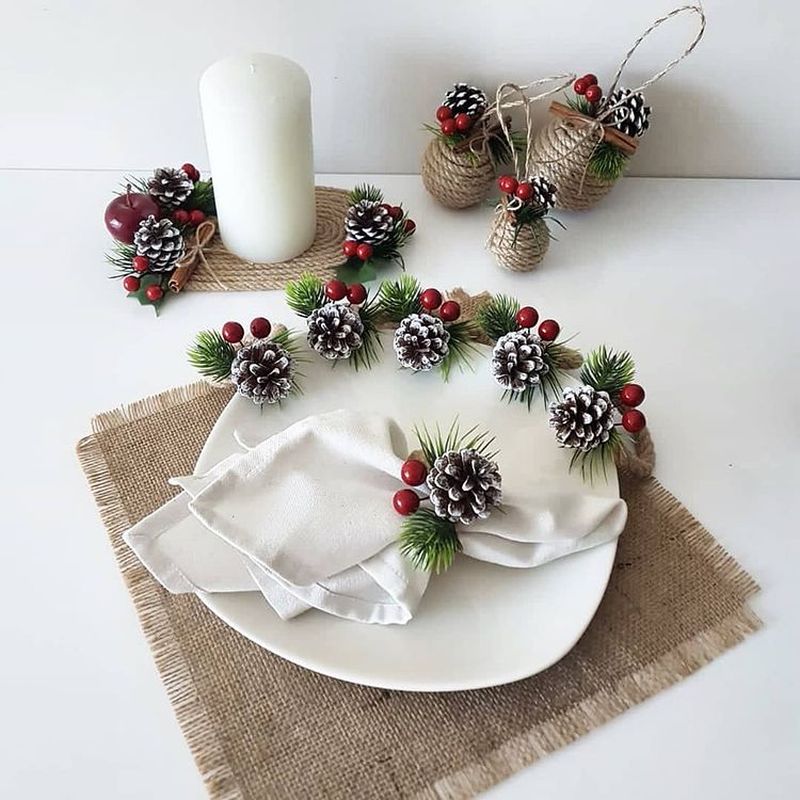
{"type": "Point", "coordinates": [498, 317]}
{"type": "Point", "coordinates": [608, 162]}
{"type": "Point", "coordinates": [371, 347]}
{"type": "Point", "coordinates": [121, 258]}
{"type": "Point", "coordinates": [365, 191]}
{"type": "Point", "coordinates": [577, 102]}
{"type": "Point", "coordinates": [595, 462]}
{"type": "Point", "coordinates": [149, 279]}
{"type": "Point", "coordinates": [461, 350]}
{"type": "Point", "coordinates": [305, 295]}
{"type": "Point", "coordinates": [428, 541]}
{"type": "Point", "coordinates": [212, 356]}
{"type": "Point", "coordinates": [400, 298]}
{"type": "Point", "coordinates": [499, 149]}
{"type": "Point", "coordinates": [202, 197]}
{"type": "Point", "coordinates": [608, 371]}
{"type": "Point", "coordinates": [354, 270]}
{"type": "Point", "coordinates": [435, 443]}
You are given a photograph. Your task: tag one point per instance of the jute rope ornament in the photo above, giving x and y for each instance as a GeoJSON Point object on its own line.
{"type": "Point", "coordinates": [519, 237]}
{"type": "Point", "coordinates": [565, 147]}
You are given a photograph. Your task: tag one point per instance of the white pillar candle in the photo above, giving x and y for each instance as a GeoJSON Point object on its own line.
{"type": "Point", "coordinates": [257, 117]}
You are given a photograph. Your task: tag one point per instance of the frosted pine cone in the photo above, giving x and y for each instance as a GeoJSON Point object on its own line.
{"type": "Point", "coordinates": [335, 330]}
{"type": "Point", "coordinates": [466, 99]}
{"type": "Point", "coordinates": [421, 342]}
{"type": "Point", "coordinates": [170, 188]}
{"type": "Point", "coordinates": [583, 418]}
{"type": "Point", "coordinates": [544, 192]}
{"type": "Point", "coordinates": [632, 116]}
{"type": "Point", "coordinates": [518, 360]}
{"type": "Point", "coordinates": [464, 486]}
{"type": "Point", "coordinates": [160, 242]}
{"type": "Point", "coordinates": [263, 371]}
{"type": "Point", "coordinates": [368, 222]}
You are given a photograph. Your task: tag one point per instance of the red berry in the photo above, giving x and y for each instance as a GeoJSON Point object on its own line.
{"type": "Point", "coordinates": [181, 216]}
{"type": "Point", "coordinates": [335, 290]}
{"type": "Point", "coordinates": [395, 212]}
{"type": "Point", "coordinates": [349, 247]}
{"type": "Point", "coordinates": [580, 86]}
{"type": "Point", "coordinates": [260, 327]}
{"type": "Point", "coordinates": [633, 421]}
{"type": "Point", "coordinates": [192, 171]}
{"type": "Point", "coordinates": [631, 395]}
{"type": "Point", "coordinates": [527, 317]}
{"type": "Point", "coordinates": [364, 251]}
{"type": "Point", "coordinates": [593, 94]}
{"type": "Point", "coordinates": [131, 283]}
{"type": "Point", "coordinates": [524, 192]}
{"type": "Point", "coordinates": [196, 216]}
{"type": "Point", "coordinates": [232, 332]}
{"type": "Point", "coordinates": [448, 127]}
{"type": "Point", "coordinates": [356, 293]}
{"type": "Point", "coordinates": [141, 264]}
{"type": "Point", "coordinates": [410, 226]}
{"type": "Point", "coordinates": [153, 292]}
{"type": "Point", "coordinates": [507, 184]}
{"type": "Point", "coordinates": [413, 472]}
{"type": "Point", "coordinates": [549, 330]}
{"type": "Point", "coordinates": [463, 122]}
{"type": "Point", "coordinates": [590, 79]}
{"type": "Point", "coordinates": [405, 502]}
{"type": "Point", "coordinates": [450, 311]}
{"type": "Point", "coordinates": [430, 299]}
{"type": "Point", "coordinates": [443, 113]}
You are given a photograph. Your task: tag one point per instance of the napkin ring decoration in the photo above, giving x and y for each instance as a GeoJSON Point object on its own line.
{"type": "Point", "coordinates": [262, 366]}
{"type": "Point", "coordinates": [455, 482]}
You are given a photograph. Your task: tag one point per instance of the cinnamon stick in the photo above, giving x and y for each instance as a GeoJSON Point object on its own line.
{"type": "Point", "coordinates": [624, 142]}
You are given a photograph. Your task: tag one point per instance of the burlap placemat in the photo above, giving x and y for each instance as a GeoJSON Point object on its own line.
{"type": "Point", "coordinates": [223, 271]}
{"type": "Point", "coordinates": [261, 727]}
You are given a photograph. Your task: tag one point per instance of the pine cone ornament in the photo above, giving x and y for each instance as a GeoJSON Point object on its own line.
{"type": "Point", "coordinates": [464, 486]}
{"type": "Point", "coordinates": [335, 330]}
{"type": "Point", "coordinates": [170, 188]}
{"type": "Point", "coordinates": [421, 342]}
{"type": "Point", "coordinates": [544, 192]}
{"type": "Point", "coordinates": [160, 242]}
{"type": "Point", "coordinates": [263, 371]}
{"type": "Point", "coordinates": [368, 222]}
{"type": "Point", "coordinates": [632, 115]}
{"type": "Point", "coordinates": [518, 360]}
{"type": "Point", "coordinates": [466, 99]}
{"type": "Point", "coordinates": [583, 418]}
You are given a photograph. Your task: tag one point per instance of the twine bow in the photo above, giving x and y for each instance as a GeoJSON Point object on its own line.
{"type": "Point", "coordinates": [195, 254]}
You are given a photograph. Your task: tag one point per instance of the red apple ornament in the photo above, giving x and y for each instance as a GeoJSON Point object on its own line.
{"type": "Point", "coordinates": [126, 211]}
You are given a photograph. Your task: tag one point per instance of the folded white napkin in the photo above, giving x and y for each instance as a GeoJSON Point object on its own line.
{"type": "Point", "coordinates": [306, 518]}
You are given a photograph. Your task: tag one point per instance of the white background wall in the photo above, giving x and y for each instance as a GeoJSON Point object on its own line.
{"type": "Point", "coordinates": [109, 84]}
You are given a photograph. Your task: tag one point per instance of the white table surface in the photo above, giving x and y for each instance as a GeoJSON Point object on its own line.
{"type": "Point", "coordinates": [698, 278]}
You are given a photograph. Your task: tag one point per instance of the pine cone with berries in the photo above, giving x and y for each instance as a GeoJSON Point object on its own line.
{"type": "Point", "coordinates": [335, 330]}
{"type": "Point", "coordinates": [170, 188]}
{"type": "Point", "coordinates": [464, 486]}
{"type": "Point", "coordinates": [421, 342]}
{"type": "Point", "coordinates": [160, 242]}
{"type": "Point", "coordinates": [632, 115]}
{"type": "Point", "coordinates": [518, 361]}
{"type": "Point", "coordinates": [583, 418]}
{"type": "Point", "coordinates": [466, 99]}
{"type": "Point", "coordinates": [368, 222]}
{"type": "Point", "coordinates": [263, 371]}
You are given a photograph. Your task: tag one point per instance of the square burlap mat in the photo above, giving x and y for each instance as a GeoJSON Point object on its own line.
{"type": "Point", "coordinates": [261, 727]}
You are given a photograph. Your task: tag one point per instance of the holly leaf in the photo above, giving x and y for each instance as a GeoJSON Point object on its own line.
{"type": "Point", "coordinates": [356, 271]}
{"type": "Point", "coordinates": [150, 279]}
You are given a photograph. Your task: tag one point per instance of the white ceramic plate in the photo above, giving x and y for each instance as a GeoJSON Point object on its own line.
{"type": "Point", "coordinates": [478, 625]}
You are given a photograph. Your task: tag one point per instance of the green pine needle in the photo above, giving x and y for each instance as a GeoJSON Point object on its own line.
{"type": "Point", "coordinates": [608, 371]}
{"type": "Point", "coordinates": [428, 541]}
{"type": "Point", "coordinates": [498, 317]}
{"type": "Point", "coordinates": [371, 344]}
{"type": "Point", "coordinates": [305, 295]}
{"type": "Point", "coordinates": [212, 356]}
{"type": "Point", "coordinates": [136, 183]}
{"type": "Point", "coordinates": [594, 462]}
{"type": "Point", "coordinates": [608, 162]}
{"type": "Point", "coordinates": [365, 191]}
{"type": "Point", "coordinates": [202, 197]}
{"type": "Point", "coordinates": [461, 350]}
{"type": "Point", "coordinates": [121, 257]}
{"type": "Point", "coordinates": [398, 299]}
{"type": "Point", "coordinates": [577, 102]}
{"type": "Point", "coordinates": [436, 442]}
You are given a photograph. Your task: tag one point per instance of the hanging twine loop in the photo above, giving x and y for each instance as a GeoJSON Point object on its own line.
{"type": "Point", "coordinates": [187, 264]}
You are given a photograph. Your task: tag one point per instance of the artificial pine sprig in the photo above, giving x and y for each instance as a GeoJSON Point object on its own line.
{"type": "Point", "coordinates": [428, 541]}
{"type": "Point", "coordinates": [498, 316]}
{"type": "Point", "coordinates": [608, 371]}
{"type": "Point", "coordinates": [461, 349]}
{"type": "Point", "coordinates": [306, 294]}
{"type": "Point", "coordinates": [369, 352]}
{"type": "Point", "coordinates": [400, 298]}
{"type": "Point", "coordinates": [121, 258]}
{"type": "Point", "coordinates": [212, 356]}
{"type": "Point", "coordinates": [593, 462]}
{"type": "Point", "coordinates": [436, 442]}
{"type": "Point", "coordinates": [364, 191]}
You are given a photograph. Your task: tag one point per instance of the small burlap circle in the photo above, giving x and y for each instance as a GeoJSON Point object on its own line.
{"type": "Point", "coordinates": [223, 271]}
{"type": "Point", "coordinates": [455, 179]}
{"type": "Point", "coordinates": [523, 253]}
{"type": "Point", "coordinates": [561, 152]}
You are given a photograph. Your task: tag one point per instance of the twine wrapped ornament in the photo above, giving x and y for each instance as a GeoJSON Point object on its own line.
{"type": "Point", "coordinates": [584, 149]}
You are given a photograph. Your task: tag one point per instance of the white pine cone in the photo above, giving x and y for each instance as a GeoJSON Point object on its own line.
{"type": "Point", "coordinates": [421, 342]}
{"type": "Point", "coordinates": [335, 330]}
{"type": "Point", "coordinates": [583, 418]}
{"type": "Point", "coordinates": [170, 188]}
{"type": "Point", "coordinates": [632, 116]}
{"type": "Point", "coordinates": [263, 371]}
{"type": "Point", "coordinates": [518, 360]}
{"type": "Point", "coordinates": [160, 242]}
{"type": "Point", "coordinates": [464, 486]}
{"type": "Point", "coordinates": [466, 99]}
{"type": "Point", "coordinates": [368, 222]}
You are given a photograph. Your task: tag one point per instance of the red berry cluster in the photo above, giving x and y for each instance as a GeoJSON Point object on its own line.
{"type": "Point", "coordinates": [431, 299]}
{"type": "Point", "coordinates": [630, 396]}
{"type": "Point", "coordinates": [364, 251]}
{"type": "Point", "coordinates": [509, 185]}
{"type": "Point", "coordinates": [587, 86]}
{"type": "Point", "coordinates": [356, 293]}
{"type": "Point", "coordinates": [233, 332]}
{"type": "Point", "coordinates": [528, 316]}
{"type": "Point", "coordinates": [451, 125]}
{"type": "Point", "coordinates": [412, 473]}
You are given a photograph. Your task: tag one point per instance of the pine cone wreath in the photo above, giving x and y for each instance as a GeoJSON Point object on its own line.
{"type": "Point", "coordinates": [160, 242]}
{"type": "Point", "coordinates": [335, 330]}
{"type": "Point", "coordinates": [518, 360]}
{"type": "Point", "coordinates": [263, 371]}
{"type": "Point", "coordinates": [170, 188]}
{"type": "Point", "coordinates": [466, 99]}
{"type": "Point", "coordinates": [632, 115]}
{"type": "Point", "coordinates": [421, 342]}
{"type": "Point", "coordinates": [368, 222]}
{"type": "Point", "coordinates": [464, 486]}
{"type": "Point", "coordinates": [583, 418]}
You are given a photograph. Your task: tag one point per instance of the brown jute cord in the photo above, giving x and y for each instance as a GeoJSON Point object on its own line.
{"type": "Point", "coordinates": [221, 270]}
{"type": "Point", "coordinates": [456, 179]}
{"type": "Point", "coordinates": [640, 461]}
{"type": "Point", "coordinates": [518, 248]}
